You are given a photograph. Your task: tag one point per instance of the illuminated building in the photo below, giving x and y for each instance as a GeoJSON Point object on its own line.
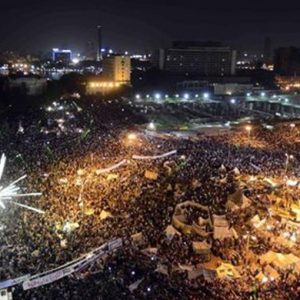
{"type": "Point", "coordinates": [64, 56]}
{"type": "Point", "coordinates": [102, 87]}
{"type": "Point", "coordinates": [117, 68]}
{"type": "Point", "coordinates": [203, 58]}
{"type": "Point", "coordinates": [231, 88]}
{"type": "Point", "coordinates": [288, 83]}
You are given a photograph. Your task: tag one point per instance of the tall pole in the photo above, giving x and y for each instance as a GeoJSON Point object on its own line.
{"type": "Point", "coordinates": [286, 163]}
{"type": "Point", "coordinates": [248, 129]}
{"type": "Point", "coordinates": [99, 43]}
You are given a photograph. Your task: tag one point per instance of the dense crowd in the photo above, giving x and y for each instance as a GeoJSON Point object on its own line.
{"type": "Point", "coordinates": [61, 147]}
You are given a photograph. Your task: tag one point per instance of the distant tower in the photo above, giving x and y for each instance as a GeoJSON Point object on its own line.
{"type": "Point", "coordinates": [268, 51]}
{"type": "Point", "coordinates": [99, 42]}
{"type": "Point", "coordinates": [90, 51]}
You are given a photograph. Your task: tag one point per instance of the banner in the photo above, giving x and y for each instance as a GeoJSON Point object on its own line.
{"type": "Point", "coordinates": [11, 282]}
{"type": "Point", "coordinates": [121, 163]}
{"type": "Point", "coordinates": [56, 275]}
{"type": "Point", "coordinates": [88, 261]}
{"type": "Point", "coordinates": [33, 283]}
{"type": "Point", "coordinates": [30, 282]}
{"type": "Point", "coordinates": [115, 244]}
{"type": "Point", "coordinates": [155, 156]}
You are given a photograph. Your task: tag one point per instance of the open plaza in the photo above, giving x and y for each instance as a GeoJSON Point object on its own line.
{"type": "Point", "coordinates": [149, 201]}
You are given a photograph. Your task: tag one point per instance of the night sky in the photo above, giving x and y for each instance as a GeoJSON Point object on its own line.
{"type": "Point", "coordinates": [138, 25]}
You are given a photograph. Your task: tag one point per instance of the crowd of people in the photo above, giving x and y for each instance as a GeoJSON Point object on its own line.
{"type": "Point", "coordinates": [62, 146]}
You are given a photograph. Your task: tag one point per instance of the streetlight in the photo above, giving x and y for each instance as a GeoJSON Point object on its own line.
{"type": "Point", "coordinates": [137, 96]}
{"type": "Point", "coordinates": [248, 129]}
{"type": "Point", "coordinates": [287, 161]}
{"type": "Point", "coordinates": [151, 126]}
{"type": "Point", "coordinates": [232, 101]}
{"type": "Point", "coordinates": [186, 96]}
{"type": "Point", "coordinates": [205, 95]}
{"type": "Point", "coordinates": [157, 96]}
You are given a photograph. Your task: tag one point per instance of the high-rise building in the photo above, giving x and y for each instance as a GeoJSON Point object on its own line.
{"type": "Point", "coordinates": [202, 58]}
{"type": "Point", "coordinates": [63, 56]}
{"type": "Point", "coordinates": [268, 51]}
{"type": "Point", "coordinates": [99, 42]}
{"type": "Point", "coordinates": [287, 61]}
{"type": "Point", "coordinates": [90, 51]}
{"type": "Point", "coordinates": [117, 68]}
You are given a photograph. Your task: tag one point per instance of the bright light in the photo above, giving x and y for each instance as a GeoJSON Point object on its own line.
{"type": "Point", "coordinates": [286, 100]}
{"type": "Point", "coordinates": [137, 96]}
{"type": "Point", "coordinates": [110, 51]}
{"type": "Point", "coordinates": [292, 125]}
{"type": "Point", "coordinates": [186, 96]}
{"type": "Point", "coordinates": [248, 128]}
{"type": "Point", "coordinates": [151, 126]}
{"type": "Point", "coordinates": [205, 95]}
{"type": "Point", "coordinates": [263, 94]}
{"type": "Point", "coordinates": [166, 96]}
{"type": "Point", "coordinates": [248, 94]}
{"type": "Point", "coordinates": [147, 96]}
{"type": "Point", "coordinates": [131, 136]}
{"type": "Point", "coordinates": [232, 101]}
{"type": "Point", "coordinates": [60, 121]}
{"type": "Point", "coordinates": [8, 193]}
{"type": "Point", "coordinates": [75, 60]}
{"type": "Point", "coordinates": [197, 96]}
{"type": "Point", "coordinates": [264, 280]}
{"type": "Point", "coordinates": [176, 96]}
{"type": "Point", "coordinates": [290, 182]}
{"type": "Point", "coordinates": [157, 96]}
{"type": "Point", "coordinates": [289, 156]}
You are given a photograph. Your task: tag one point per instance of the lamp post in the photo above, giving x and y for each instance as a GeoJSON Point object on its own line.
{"type": "Point", "coordinates": [248, 129]}
{"type": "Point", "coordinates": [287, 161]}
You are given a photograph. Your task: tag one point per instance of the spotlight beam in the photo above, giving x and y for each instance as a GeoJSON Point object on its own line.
{"type": "Point", "coordinates": [11, 191]}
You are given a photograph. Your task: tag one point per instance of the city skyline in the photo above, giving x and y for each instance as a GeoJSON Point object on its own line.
{"type": "Point", "coordinates": [143, 25]}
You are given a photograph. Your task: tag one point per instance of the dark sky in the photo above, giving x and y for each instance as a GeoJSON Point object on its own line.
{"type": "Point", "coordinates": [137, 25]}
